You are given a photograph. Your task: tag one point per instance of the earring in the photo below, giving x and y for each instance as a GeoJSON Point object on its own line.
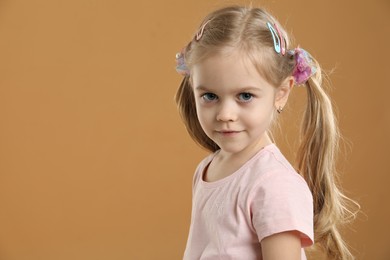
{"type": "Point", "coordinates": [280, 109]}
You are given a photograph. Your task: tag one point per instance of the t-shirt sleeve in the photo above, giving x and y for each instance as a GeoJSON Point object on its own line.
{"type": "Point", "coordinates": [283, 202]}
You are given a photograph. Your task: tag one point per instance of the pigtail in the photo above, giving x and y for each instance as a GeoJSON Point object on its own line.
{"type": "Point", "coordinates": [316, 159]}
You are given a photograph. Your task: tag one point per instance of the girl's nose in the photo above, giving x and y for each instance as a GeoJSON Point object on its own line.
{"type": "Point", "coordinates": [227, 112]}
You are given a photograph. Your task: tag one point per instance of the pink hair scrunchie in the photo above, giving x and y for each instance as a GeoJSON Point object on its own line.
{"type": "Point", "coordinates": [304, 67]}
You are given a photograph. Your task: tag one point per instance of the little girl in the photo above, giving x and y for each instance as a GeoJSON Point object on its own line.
{"type": "Point", "coordinates": [248, 201]}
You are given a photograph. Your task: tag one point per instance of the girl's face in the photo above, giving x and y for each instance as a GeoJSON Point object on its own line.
{"type": "Point", "coordinates": [235, 105]}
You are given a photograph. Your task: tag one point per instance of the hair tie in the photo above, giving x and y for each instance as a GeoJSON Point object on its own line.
{"type": "Point", "coordinates": [181, 66]}
{"type": "Point", "coordinates": [304, 65]}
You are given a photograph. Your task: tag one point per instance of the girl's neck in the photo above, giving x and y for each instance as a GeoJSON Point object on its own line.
{"type": "Point", "coordinates": [225, 164]}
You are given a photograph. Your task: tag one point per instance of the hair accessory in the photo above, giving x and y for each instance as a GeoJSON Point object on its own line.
{"type": "Point", "coordinates": [181, 66]}
{"type": "Point", "coordinates": [199, 34]}
{"type": "Point", "coordinates": [282, 40]}
{"type": "Point", "coordinates": [304, 67]}
{"type": "Point", "coordinates": [279, 40]}
{"type": "Point", "coordinates": [275, 37]}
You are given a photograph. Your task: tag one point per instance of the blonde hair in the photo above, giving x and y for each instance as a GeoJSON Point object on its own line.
{"type": "Point", "coordinates": [245, 29]}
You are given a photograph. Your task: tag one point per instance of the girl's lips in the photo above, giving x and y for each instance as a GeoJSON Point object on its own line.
{"type": "Point", "coordinates": [228, 132]}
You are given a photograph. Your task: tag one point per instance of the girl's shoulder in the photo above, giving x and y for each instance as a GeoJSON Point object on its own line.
{"type": "Point", "coordinates": [270, 170]}
{"type": "Point", "coordinates": [278, 194]}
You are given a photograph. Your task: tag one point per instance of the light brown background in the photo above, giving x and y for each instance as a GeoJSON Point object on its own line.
{"type": "Point", "coordinates": [94, 160]}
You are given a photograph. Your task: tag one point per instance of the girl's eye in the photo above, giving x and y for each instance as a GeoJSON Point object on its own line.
{"type": "Point", "coordinates": [245, 97]}
{"type": "Point", "coordinates": [209, 97]}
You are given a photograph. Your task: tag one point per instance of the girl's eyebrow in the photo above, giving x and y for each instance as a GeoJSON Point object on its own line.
{"type": "Point", "coordinates": [239, 89]}
{"type": "Point", "coordinates": [201, 88]}
{"type": "Point", "coordinates": [250, 89]}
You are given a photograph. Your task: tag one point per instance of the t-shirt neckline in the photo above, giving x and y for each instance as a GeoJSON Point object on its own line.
{"type": "Point", "coordinates": [238, 172]}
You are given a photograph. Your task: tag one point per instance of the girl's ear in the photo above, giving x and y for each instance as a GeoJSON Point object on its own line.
{"type": "Point", "coordinates": [283, 92]}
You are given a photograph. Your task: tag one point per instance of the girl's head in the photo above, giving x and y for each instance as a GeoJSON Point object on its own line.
{"type": "Point", "coordinates": [249, 34]}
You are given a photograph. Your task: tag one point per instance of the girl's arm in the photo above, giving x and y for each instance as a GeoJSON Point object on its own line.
{"type": "Point", "coordinates": [285, 245]}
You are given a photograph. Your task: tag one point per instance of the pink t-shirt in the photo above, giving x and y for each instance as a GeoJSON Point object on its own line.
{"type": "Point", "coordinates": [264, 197]}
